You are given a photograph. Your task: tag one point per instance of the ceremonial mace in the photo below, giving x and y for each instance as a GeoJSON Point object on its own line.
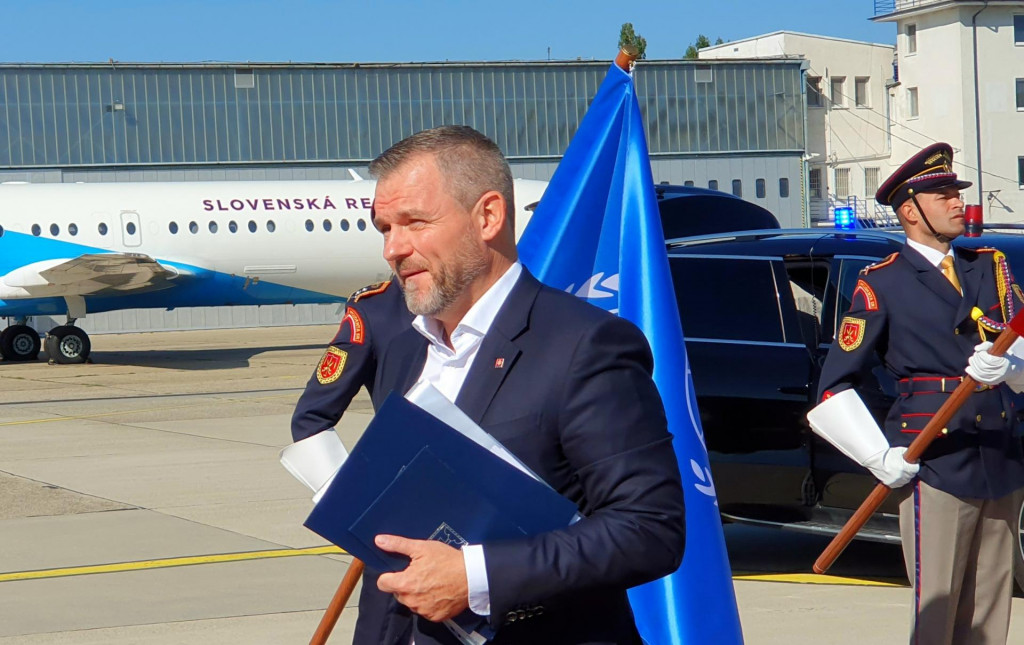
{"type": "Point", "coordinates": [917, 448]}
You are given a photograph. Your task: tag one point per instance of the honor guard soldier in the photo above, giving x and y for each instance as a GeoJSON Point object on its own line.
{"type": "Point", "coordinates": [927, 311]}
{"type": "Point", "coordinates": [373, 316]}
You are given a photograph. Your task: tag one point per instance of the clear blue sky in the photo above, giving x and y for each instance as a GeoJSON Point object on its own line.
{"type": "Point", "coordinates": [400, 31]}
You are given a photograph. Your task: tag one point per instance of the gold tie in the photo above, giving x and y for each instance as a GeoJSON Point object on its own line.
{"type": "Point", "coordinates": [950, 272]}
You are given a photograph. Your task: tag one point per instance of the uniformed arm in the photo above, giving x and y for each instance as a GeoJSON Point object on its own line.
{"type": "Point", "coordinates": [614, 435]}
{"type": "Point", "coordinates": [862, 332]}
{"type": "Point", "coordinates": [348, 364]}
{"type": "Point", "coordinates": [1008, 368]}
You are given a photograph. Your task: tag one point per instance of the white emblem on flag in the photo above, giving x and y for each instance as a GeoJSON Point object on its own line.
{"type": "Point", "coordinates": [704, 475]}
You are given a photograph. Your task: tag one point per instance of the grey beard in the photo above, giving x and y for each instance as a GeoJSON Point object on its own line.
{"type": "Point", "coordinates": [450, 281]}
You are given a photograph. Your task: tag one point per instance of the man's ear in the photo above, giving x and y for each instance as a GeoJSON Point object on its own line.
{"type": "Point", "coordinates": [908, 212]}
{"type": "Point", "coordinates": [491, 209]}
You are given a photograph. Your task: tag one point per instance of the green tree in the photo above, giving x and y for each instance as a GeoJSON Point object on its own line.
{"type": "Point", "coordinates": [627, 36]}
{"type": "Point", "coordinates": [701, 43]}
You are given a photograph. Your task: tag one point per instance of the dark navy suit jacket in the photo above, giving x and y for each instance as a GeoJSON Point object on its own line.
{"type": "Point", "coordinates": [568, 389]}
{"type": "Point", "coordinates": [916, 322]}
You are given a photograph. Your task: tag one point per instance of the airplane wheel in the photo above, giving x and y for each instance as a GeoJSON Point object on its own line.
{"type": "Point", "coordinates": [20, 343]}
{"type": "Point", "coordinates": [68, 344]}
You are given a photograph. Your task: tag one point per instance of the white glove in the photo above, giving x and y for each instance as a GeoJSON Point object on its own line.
{"type": "Point", "coordinates": [986, 368]}
{"type": "Point", "coordinates": [845, 422]}
{"type": "Point", "coordinates": [890, 468]}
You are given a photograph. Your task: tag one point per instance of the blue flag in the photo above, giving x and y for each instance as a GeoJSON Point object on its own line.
{"type": "Point", "coordinates": [597, 234]}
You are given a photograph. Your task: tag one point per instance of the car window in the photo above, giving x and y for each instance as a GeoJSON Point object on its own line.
{"type": "Point", "coordinates": [727, 298]}
{"type": "Point", "coordinates": [808, 280]}
{"type": "Point", "coordinates": [839, 296]}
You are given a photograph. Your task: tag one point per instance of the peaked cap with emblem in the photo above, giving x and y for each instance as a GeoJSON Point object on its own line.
{"type": "Point", "coordinates": [927, 171]}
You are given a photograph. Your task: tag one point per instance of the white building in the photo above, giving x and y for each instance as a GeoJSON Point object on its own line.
{"type": "Point", "coordinates": [849, 117]}
{"type": "Point", "coordinates": [961, 80]}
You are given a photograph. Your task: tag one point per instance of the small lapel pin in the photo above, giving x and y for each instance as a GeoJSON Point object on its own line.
{"type": "Point", "coordinates": [499, 363]}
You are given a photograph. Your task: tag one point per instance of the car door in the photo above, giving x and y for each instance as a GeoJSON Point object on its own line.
{"type": "Point", "coordinates": [751, 371]}
{"type": "Point", "coordinates": [839, 482]}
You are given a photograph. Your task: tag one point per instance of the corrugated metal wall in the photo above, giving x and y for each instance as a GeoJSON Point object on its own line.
{"type": "Point", "coordinates": [83, 115]}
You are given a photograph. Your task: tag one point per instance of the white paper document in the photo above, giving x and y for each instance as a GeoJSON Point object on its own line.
{"type": "Point", "coordinates": [315, 460]}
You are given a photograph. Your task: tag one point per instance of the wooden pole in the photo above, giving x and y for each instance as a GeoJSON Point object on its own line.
{"type": "Point", "coordinates": [914, 452]}
{"type": "Point", "coordinates": [627, 57]}
{"type": "Point", "coordinates": [338, 602]}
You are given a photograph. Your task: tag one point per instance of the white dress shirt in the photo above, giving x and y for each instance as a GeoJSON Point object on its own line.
{"type": "Point", "coordinates": [446, 369]}
{"type": "Point", "coordinates": [932, 255]}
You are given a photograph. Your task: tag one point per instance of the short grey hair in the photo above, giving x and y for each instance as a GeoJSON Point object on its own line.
{"type": "Point", "coordinates": [470, 163]}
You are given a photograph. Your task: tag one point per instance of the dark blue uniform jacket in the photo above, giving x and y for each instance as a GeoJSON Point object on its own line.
{"type": "Point", "coordinates": [373, 317]}
{"type": "Point", "coordinates": [907, 312]}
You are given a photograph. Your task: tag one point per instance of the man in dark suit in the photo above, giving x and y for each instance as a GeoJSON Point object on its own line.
{"type": "Point", "coordinates": [374, 315]}
{"type": "Point", "coordinates": [562, 384]}
{"type": "Point", "coordinates": [923, 311]}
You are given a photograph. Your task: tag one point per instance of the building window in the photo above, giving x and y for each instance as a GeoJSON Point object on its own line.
{"type": "Point", "coordinates": [860, 91]}
{"type": "Point", "coordinates": [912, 39]}
{"type": "Point", "coordinates": [1018, 29]}
{"type": "Point", "coordinates": [870, 181]}
{"type": "Point", "coordinates": [1020, 93]}
{"type": "Point", "coordinates": [784, 187]}
{"type": "Point", "coordinates": [688, 182]}
{"type": "Point", "coordinates": [1020, 171]}
{"type": "Point", "coordinates": [713, 184]}
{"type": "Point", "coordinates": [737, 187]}
{"type": "Point", "coordinates": [912, 102]}
{"type": "Point", "coordinates": [702, 74]}
{"type": "Point", "coordinates": [842, 183]}
{"type": "Point", "coordinates": [759, 188]}
{"type": "Point", "coordinates": [838, 96]}
{"type": "Point", "coordinates": [814, 183]}
{"type": "Point", "coordinates": [814, 91]}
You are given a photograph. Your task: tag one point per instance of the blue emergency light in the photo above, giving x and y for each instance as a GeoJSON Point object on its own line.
{"type": "Point", "coordinates": [845, 218]}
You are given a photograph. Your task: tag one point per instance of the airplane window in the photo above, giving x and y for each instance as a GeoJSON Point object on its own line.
{"type": "Point", "coordinates": [36, 230]}
{"type": "Point", "coordinates": [309, 225]}
{"type": "Point", "coordinates": [344, 224]}
{"type": "Point", "coordinates": [252, 226]}
{"type": "Point", "coordinates": [1, 231]}
{"type": "Point", "coordinates": [54, 230]}
{"type": "Point", "coordinates": [233, 226]}
{"type": "Point", "coordinates": [213, 226]}
{"type": "Point", "coordinates": [193, 228]}
{"type": "Point", "coordinates": [327, 224]}
{"type": "Point", "coordinates": [102, 228]}
{"type": "Point", "coordinates": [173, 228]}
{"type": "Point", "coordinates": [270, 225]}
{"type": "Point", "coordinates": [73, 229]}
{"type": "Point", "coordinates": [130, 228]}
{"type": "Point", "coordinates": [361, 224]}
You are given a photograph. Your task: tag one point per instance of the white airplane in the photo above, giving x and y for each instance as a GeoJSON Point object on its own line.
{"type": "Point", "coordinates": [87, 248]}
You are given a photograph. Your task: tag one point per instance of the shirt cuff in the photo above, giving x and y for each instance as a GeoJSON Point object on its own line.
{"type": "Point", "coordinates": [476, 579]}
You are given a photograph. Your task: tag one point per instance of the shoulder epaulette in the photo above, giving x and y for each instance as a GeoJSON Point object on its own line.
{"type": "Point", "coordinates": [986, 249]}
{"type": "Point", "coordinates": [878, 265]}
{"type": "Point", "coordinates": [369, 290]}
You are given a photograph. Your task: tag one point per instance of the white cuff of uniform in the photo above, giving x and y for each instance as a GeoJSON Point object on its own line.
{"type": "Point", "coordinates": [476, 579]}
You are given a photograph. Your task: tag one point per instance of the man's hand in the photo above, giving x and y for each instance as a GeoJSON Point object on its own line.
{"type": "Point", "coordinates": [434, 584]}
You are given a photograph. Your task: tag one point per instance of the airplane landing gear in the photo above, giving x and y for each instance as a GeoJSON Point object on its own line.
{"type": "Point", "coordinates": [67, 345]}
{"type": "Point", "coordinates": [19, 343]}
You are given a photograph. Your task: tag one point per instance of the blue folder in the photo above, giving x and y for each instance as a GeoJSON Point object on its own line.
{"type": "Point", "coordinates": [412, 475]}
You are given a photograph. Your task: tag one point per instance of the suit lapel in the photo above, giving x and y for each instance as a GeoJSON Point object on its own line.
{"type": "Point", "coordinates": [931, 277]}
{"type": "Point", "coordinates": [498, 352]}
{"type": "Point", "coordinates": [970, 282]}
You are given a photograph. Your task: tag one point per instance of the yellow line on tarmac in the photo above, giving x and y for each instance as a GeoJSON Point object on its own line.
{"type": "Point", "coordinates": [814, 579]}
{"type": "Point", "coordinates": [167, 562]}
{"type": "Point", "coordinates": [141, 410]}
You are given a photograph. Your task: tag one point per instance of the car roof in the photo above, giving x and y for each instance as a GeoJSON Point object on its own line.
{"type": "Point", "coordinates": [828, 242]}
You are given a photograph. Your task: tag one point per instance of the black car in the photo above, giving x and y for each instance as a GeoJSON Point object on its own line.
{"type": "Point", "coordinates": [759, 310]}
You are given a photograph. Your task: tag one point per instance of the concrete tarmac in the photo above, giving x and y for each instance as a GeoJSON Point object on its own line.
{"type": "Point", "coordinates": [142, 502]}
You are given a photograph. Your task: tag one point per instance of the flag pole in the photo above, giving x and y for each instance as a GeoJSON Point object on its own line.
{"type": "Point", "coordinates": [626, 57]}
{"type": "Point", "coordinates": [931, 431]}
{"type": "Point", "coordinates": [338, 602]}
